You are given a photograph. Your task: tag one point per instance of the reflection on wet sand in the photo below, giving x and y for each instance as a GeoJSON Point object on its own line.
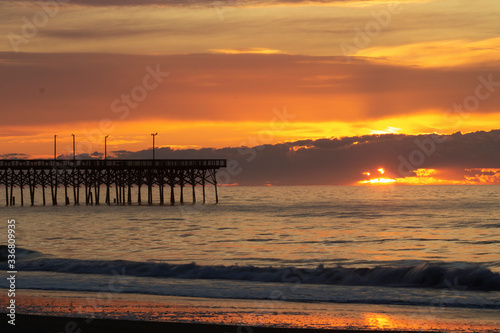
{"type": "Point", "coordinates": [252, 313]}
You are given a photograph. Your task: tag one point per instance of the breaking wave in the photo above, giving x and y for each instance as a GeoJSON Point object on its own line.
{"type": "Point", "coordinates": [423, 275]}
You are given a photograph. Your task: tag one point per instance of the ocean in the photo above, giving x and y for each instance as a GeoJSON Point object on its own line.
{"type": "Point", "coordinates": [364, 257]}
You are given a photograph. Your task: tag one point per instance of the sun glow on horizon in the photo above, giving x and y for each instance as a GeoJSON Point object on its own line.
{"type": "Point", "coordinates": [378, 180]}
{"type": "Point", "coordinates": [388, 130]}
{"type": "Point", "coordinates": [36, 141]}
{"type": "Point", "coordinates": [474, 176]}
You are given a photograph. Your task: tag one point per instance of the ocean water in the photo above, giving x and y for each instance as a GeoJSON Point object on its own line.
{"type": "Point", "coordinates": [322, 246]}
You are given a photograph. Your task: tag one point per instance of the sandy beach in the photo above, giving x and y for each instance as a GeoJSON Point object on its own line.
{"type": "Point", "coordinates": [43, 311]}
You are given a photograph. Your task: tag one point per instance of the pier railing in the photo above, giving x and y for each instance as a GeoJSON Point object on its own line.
{"type": "Point", "coordinates": [187, 163]}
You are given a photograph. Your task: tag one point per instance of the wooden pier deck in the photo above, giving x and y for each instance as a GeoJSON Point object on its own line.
{"type": "Point", "coordinates": [95, 176]}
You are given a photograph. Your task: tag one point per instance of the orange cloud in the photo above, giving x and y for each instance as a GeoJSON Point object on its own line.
{"type": "Point", "coordinates": [442, 53]}
{"type": "Point", "coordinates": [475, 176]}
{"type": "Point", "coordinates": [236, 87]}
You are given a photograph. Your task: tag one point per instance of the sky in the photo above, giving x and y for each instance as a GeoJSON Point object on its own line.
{"type": "Point", "coordinates": [215, 75]}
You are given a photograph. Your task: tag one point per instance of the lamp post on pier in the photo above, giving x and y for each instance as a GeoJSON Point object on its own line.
{"type": "Point", "coordinates": [74, 150]}
{"type": "Point", "coordinates": [105, 147]}
{"type": "Point", "coordinates": [55, 146]}
{"type": "Point", "coordinates": [154, 145]}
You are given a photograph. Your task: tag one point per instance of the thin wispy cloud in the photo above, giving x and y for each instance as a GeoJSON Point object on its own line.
{"type": "Point", "coordinates": [214, 3]}
{"type": "Point", "coordinates": [253, 50]}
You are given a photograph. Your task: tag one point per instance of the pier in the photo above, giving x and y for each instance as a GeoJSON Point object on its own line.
{"type": "Point", "coordinates": [102, 180]}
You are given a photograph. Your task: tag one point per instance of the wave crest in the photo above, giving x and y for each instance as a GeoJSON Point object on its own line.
{"type": "Point", "coordinates": [424, 275]}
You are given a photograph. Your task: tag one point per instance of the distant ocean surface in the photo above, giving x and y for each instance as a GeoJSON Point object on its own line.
{"type": "Point", "coordinates": [383, 245]}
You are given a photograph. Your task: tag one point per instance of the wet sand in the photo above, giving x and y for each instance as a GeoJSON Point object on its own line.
{"type": "Point", "coordinates": [46, 324]}
{"type": "Point", "coordinates": [73, 312]}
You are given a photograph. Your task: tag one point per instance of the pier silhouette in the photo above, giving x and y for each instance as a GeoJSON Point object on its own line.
{"type": "Point", "coordinates": [96, 175]}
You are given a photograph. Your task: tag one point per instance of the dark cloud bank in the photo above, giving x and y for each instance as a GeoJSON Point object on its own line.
{"type": "Point", "coordinates": [342, 161]}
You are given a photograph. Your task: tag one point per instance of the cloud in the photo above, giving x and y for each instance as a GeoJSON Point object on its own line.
{"type": "Point", "coordinates": [208, 3]}
{"type": "Point", "coordinates": [342, 161]}
{"type": "Point", "coordinates": [442, 53]}
{"type": "Point", "coordinates": [142, 27]}
{"type": "Point", "coordinates": [108, 32]}
{"type": "Point", "coordinates": [14, 156]}
{"type": "Point", "coordinates": [483, 176]}
{"type": "Point", "coordinates": [252, 50]}
{"type": "Point", "coordinates": [51, 89]}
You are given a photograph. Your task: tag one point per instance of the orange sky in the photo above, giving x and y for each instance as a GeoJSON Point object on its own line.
{"type": "Point", "coordinates": [233, 73]}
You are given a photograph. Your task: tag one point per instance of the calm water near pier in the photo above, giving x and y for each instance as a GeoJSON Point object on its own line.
{"type": "Point", "coordinates": [401, 246]}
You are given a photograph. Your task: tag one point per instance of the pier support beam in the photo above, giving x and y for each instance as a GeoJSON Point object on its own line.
{"type": "Point", "coordinates": [214, 181]}
{"type": "Point", "coordinates": [53, 186]}
{"type": "Point", "coordinates": [203, 184]}
{"type": "Point", "coordinates": [216, 193]}
{"type": "Point", "coordinates": [32, 186]}
{"type": "Point", "coordinates": [160, 190]}
{"type": "Point", "coordinates": [181, 184]}
{"type": "Point", "coordinates": [75, 186]}
{"type": "Point", "coordinates": [150, 194]}
{"type": "Point", "coordinates": [77, 201]}
{"type": "Point", "coordinates": [21, 185]}
{"type": "Point", "coordinates": [12, 188]}
{"type": "Point", "coordinates": [117, 190]}
{"type": "Point", "coordinates": [124, 200]}
{"type": "Point", "coordinates": [193, 183]}
{"type": "Point", "coordinates": [108, 175]}
{"type": "Point", "coordinates": [139, 200]}
{"type": "Point", "coordinates": [43, 182]}
{"type": "Point", "coordinates": [66, 199]}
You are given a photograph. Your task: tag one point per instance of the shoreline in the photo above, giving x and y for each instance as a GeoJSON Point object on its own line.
{"type": "Point", "coordinates": [43, 323]}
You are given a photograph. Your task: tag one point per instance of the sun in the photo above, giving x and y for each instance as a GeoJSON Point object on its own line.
{"type": "Point", "coordinates": [379, 180]}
